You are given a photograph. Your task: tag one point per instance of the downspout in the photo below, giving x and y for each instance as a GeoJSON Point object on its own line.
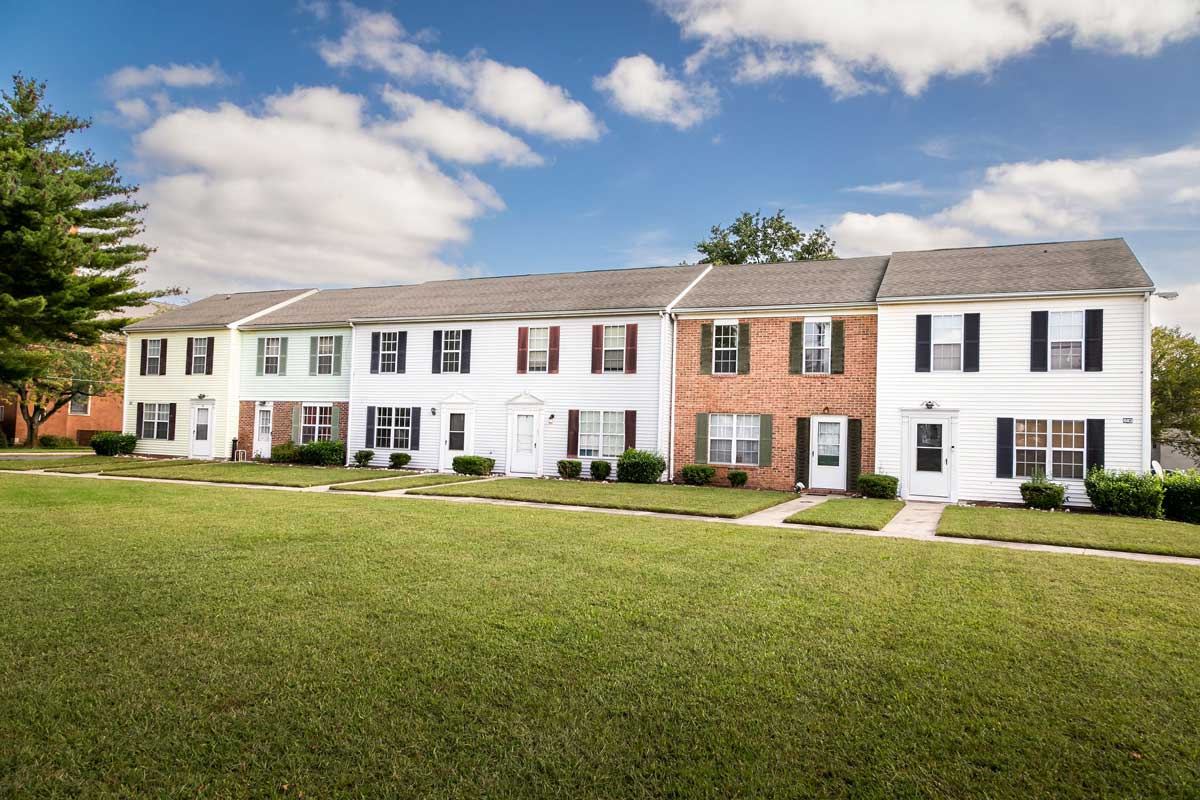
{"type": "Point", "coordinates": [350, 393]}
{"type": "Point", "coordinates": [1147, 411]}
{"type": "Point", "coordinates": [671, 412]}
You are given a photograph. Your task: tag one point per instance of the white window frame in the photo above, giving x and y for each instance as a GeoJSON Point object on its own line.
{"type": "Point", "coordinates": [71, 412]}
{"type": "Point", "coordinates": [543, 363]}
{"type": "Point", "coordinates": [734, 459]}
{"type": "Point", "coordinates": [1048, 450]}
{"type": "Point", "coordinates": [388, 433]}
{"type": "Point", "coordinates": [322, 421]}
{"type": "Point", "coordinates": [325, 359]}
{"type": "Point", "coordinates": [602, 442]}
{"type": "Point", "coordinates": [946, 341]}
{"type": "Point", "coordinates": [271, 367]}
{"type": "Point", "coordinates": [389, 352]}
{"type": "Point", "coordinates": [726, 348]}
{"type": "Point", "coordinates": [158, 417]}
{"type": "Point", "coordinates": [455, 351]}
{"type": "Point", "coordinates": [199, 360]}
{"type": "Point", "coordinates": [826, 349]}
{"type": "Point", "coordinates": [605, 349]}
{"type": "Point", "coordinates": [1051, 327]}
{"type": "Point", "coordinates": [156, 358]}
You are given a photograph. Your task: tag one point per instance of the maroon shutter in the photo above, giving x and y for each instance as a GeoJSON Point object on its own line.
{"type": "Point", "coordinates": [597, 349]}
{"type": "Point", "coordinates": [630, 429]}
{"type": "Point", "coordinates": [141, 411]}
{"type": "Point", "coordinates": [522, 350]}
{"type": "Point", "coordinates": [162, 357]}
{"type": "Point", "coordinates": [573, 433]}
{"type": "Point", "coordinates": [143, 372]}
{"type": "Point", "coordinates": [208, 360]}
{"type": "Point", "coordinates": [171, 424]}
{"type": "Point", "coordinates": [187, 365]}
{"type": "Point", "coordinates": [553, 366]}
{"type": "Point", "coordinates": [631, 348]}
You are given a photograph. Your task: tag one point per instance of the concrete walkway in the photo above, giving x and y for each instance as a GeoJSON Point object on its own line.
{"type": "Point", "coordinates": [917, 520]}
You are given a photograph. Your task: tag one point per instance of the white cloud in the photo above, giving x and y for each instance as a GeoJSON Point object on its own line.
{"type": "Point", "coordinates": [134, 110]}
{"type": "Point", "coordinates": [641, 87]}
{"type": "Point", "coordinates": [898, 188]}
{"type": "Point", "coordinates": [305, 193]}
{"type": "Point", "coordinates": [176, 76]}
{"type": "Point", "coordinates": [880, 234]}
{"type": "Point", "coordinates": [454, 134]}
{"type": "Point", "coordinates": [912, 43]}
{"type": "Point", "coordinates": [377, 40]}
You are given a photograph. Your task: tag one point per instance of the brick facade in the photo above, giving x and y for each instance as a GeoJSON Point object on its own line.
{"type": "Point", "coordinates": [281, 422]}
{"type": "Point", "coordinates": [770, 389]}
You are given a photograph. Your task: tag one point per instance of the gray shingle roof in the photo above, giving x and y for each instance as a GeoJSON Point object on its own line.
{"type": "Point", "coordinates": [215, 311]}
{"type": "Point", "coordinates": [844, 281]}
{"type": "Point", "coordinates": [1101, 264]}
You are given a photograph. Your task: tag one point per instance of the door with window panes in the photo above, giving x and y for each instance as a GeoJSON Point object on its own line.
{"type": "Point", "coordinates": [930, 457]}
{"type": "Point", "coordinates": [827, 464]}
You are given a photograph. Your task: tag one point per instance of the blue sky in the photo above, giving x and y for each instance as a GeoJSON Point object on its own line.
{"type": "Point", "coordinates": [332, 144]}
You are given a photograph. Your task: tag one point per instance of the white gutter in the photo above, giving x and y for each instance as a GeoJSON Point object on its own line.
{"type": "Point", "coordinates": [603, 312]}
{"type": "Point", "coordinates": [933, 298]}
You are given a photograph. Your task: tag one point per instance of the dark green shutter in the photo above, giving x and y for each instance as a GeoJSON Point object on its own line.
{"type": "Point", "coordinates": [802, 426]}
{"type": "Point", "coordinates": [837, 347]}
{"type": "Point", "coordinates": [765, 438]}
{"type": "Point", "coordinates": [853, 453]}
{"type": "Point", "coordinates": [743, 366]}
{"type": "Point", "coordinates": [283, 340]}
{"type": "Point", "coordinates": [706, 343]}
{"type": "Point", "coordinates": [296, 434]}
{"type": "Point", "coordinates": [335, 419]}
{"type": "Point", "coordinates": [337, 356]}
{"type": "Point", "coordinates": [262, 349]}
{"type": "Point", "coordinates": [312, 355]}
{"type": "Point", "coordinates": [796, 348]}
{"type": "Point", "coordinates": [701, 439]}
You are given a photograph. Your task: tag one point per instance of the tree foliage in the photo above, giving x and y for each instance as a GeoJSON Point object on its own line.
{"type": "Point", "coordinates": [57, 373]}
{"type": "Point", "coordinates": [755, 239]}
{"type": "Point", "coordinates": [1175, 390]}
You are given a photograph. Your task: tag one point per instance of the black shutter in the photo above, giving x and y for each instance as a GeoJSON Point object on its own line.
{"type": "Point", "coordinates": [1039, 327]}
{"type": "Point", "coordinates": [1004, 447]}
{"type": "Point", "coordinates": [141, 412]}
{"type": "Point", "coordinates": [374, 353]}
{"type": "Point", "coordinates": [144, 341]}
{"type": "Point", "coordinates": [402, 352]}
{"type": "Point", "coordinates": [162, 356]}
{"type": "Point", "coordinates": [796, 348]}
{"type": "Point", "coordinates": [187, 364]}
{"type": "Point", "coordinates": [970, 343]}
{"type": "Point", "coordinates": [853, 453]}
{"type": "Point", "coordinates": [171, 424]}
{"type": "Point", "coordinates": [802, 426]}
{"type": "Point", "coordinates": [706, 347]}
{"type": "Point", "coordinates": [837, 347]}
{"type": "Point", "coordinates": [370, 423]}
{"type": "Point", "coordinates": [208, 360]}
{"type": "Point", "coordinates": [464, 362]}
{"type": "Point", "coordinates": [1093, 346]}
{"type": "Point", "coordinates": [437, 352]}
{"type": "Point", "coordinates": [1095, 444]}
{"type": "Point", "coordinates": [924, 338]}
{"type": "Point", "coordinates": [743, 348]}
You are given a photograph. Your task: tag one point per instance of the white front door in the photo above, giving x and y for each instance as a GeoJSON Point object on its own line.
{"type": "Point", "coordinates": [929, 457]}
{"type": "Point", "coordinates": [525, 443]}
{"type": "Point", "coordinates": [827, 453]}
{"type": "Point", "coordinates": [456, 434]}
{"type": "Point", "coordinates": [202, 431]}
{"type": "Point", "coordinates": [262, 432]}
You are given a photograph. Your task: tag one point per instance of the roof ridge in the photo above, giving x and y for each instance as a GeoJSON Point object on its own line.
{"type": "Point", "coordinates": [1013, 244]}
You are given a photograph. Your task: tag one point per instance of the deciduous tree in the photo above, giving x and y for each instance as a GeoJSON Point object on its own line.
{"type": "Point", "coordinates": [1175, 390]}
{"type": "Point", "coordinates": [755, 239]}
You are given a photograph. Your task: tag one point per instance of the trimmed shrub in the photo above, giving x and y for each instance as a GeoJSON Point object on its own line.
{"type": "Point", "coordinates": [738, 478]}
{"type": "Point", "coordinates": [111, 443]}
{"type": "Point", "coordinates": [1130, 494]}
{"type": "Point", "coordinates": [363, 458]}
{"type": "Point", "coordinates": [697, 474]}
{"type": "Point", "coordinates": [3, 440]}
{"type": "Point", "coordinates": [473, 465]}
{"type": "Point", "coordinates": [640, 466]}
{"type": "Point", "coordinates": [323, 454]}
{"type": "Point", "coordinates": [872, 484]}
{"type": "Point", "coordinates": [399, 460]}
{"type": "Point", "coordinates": [1039, 493]}
{"type": "Point", "coordinates": [1181, 496]}
{"type": "Point", "coordinates": [286, 453]}
{"type": "Point", "coordinates": [51, 442]}
{"type": "Point", "coordinates": [600, 470]}
{"type": "Point", "coordinates": [570, 468]}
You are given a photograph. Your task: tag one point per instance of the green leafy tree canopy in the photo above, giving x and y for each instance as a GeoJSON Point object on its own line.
{"type": "Point", "coordinates": [1175, 390]}
{"type": "Point", "coordinates": [755, 239]}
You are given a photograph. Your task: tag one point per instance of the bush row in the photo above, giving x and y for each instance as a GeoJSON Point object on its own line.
{"type": "Point", "coordinates": [111, 443]}
{"type": "Point", "coordinates": [1181, 496]}
{"type": "Point", "coordinates": [51, 442]}
{"type": "Point", "coordinates": [319, 454]}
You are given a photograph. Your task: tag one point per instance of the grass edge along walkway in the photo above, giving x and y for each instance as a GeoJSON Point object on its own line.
{"type": "Point", "coordinates": [255, 474]}
{"type": "Point", "coordinates": [858, 513]}
{"type": "Point", "coordinates": [404, 482]}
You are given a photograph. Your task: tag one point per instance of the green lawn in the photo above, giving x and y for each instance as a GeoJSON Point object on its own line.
{"type": "Point", "coordinates": [20, 465]}
{"type": "Point", "coordinates": [704, 501]}
{"type": "Point", "coordinates": [263, 474]}
{"type": "Point", "coordinates": [407, 482]}
{"type": "Point", "coordinates": [1073, 530]}
{"type": "Point", "coordinates": [123, 464]}
{"type": "Point", "coordinates": [171, 640]}
{"type": "Point", "coordinates": [850, 512]}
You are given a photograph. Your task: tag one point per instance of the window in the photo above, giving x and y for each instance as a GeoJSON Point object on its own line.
{"type": "Point", "coordinates": [393, 428]}
{"type": "Point", "coordinates": [324, 355]}
{"type": "Point", "coordinates": [271, 350]}
{"type": "Point", "coordinates": [614, 348]}
{"type": "Point", "coordinates": [389, 352]}
{"type": "Point", "coordinates": [1067, 448]}
{"type": "Point", "coordinates": [816, 346]}
{"type": "Point", "coordinates": [1059, 443]}
{"type": "Point", "coordinates": [829, 444]}
{"type": "Point", "coordinates": [1066, 340]}
{"type": "Point", "coordinates": [153, 356]}
{"type": "Point", "coordinates": [1030, 444]}
{"type": "Point", "coordinates": [156, 420]}
{"type": "Point", "coordinates": [733, 439]}
{"type": "Point", "coordinates": [601, 434]}
{"type": "Point", "coordinates": [316, 424]}
{"type": "Point", "coordinates": [451, 351]}
{"type": "Point", "coordinates": [199, 355]}
{"type": "Point", "coordinates": [81, 405]}
{"type": "Point", "coordinates": [929, 447]}
{"type": "Point", "coordinates": [947, 337]}
{"type": "Point", "coordinates": [725, 344]}
{"type": "Point", "coordinates": [458, 431]}
{"type": "Point", "coordinates": [538, 357]}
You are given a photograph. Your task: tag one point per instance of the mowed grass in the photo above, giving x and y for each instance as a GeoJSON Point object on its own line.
{"type": "Point", "coordinates": [408, 482]}
{"type": "Point", "coordinates": [262, 474]}
{"type": "Point", "coordinates": [22, 465]}
{"type": "Point", "coordinates": [1073, 530]}
{"type": "Point", "coordinates": [704, 501]}
{"type": "Point", "coordinates": [863, 513]}
{"type": "Point", "coordinates": [124, 464]}
{"type": "Point", "coordinates": [169, 640]}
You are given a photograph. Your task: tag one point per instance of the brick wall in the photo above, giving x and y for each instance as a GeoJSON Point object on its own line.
{"type": "Point", "coordinates": [281, 422]}
{"type": "Point", "coordinates": [770, 389]}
